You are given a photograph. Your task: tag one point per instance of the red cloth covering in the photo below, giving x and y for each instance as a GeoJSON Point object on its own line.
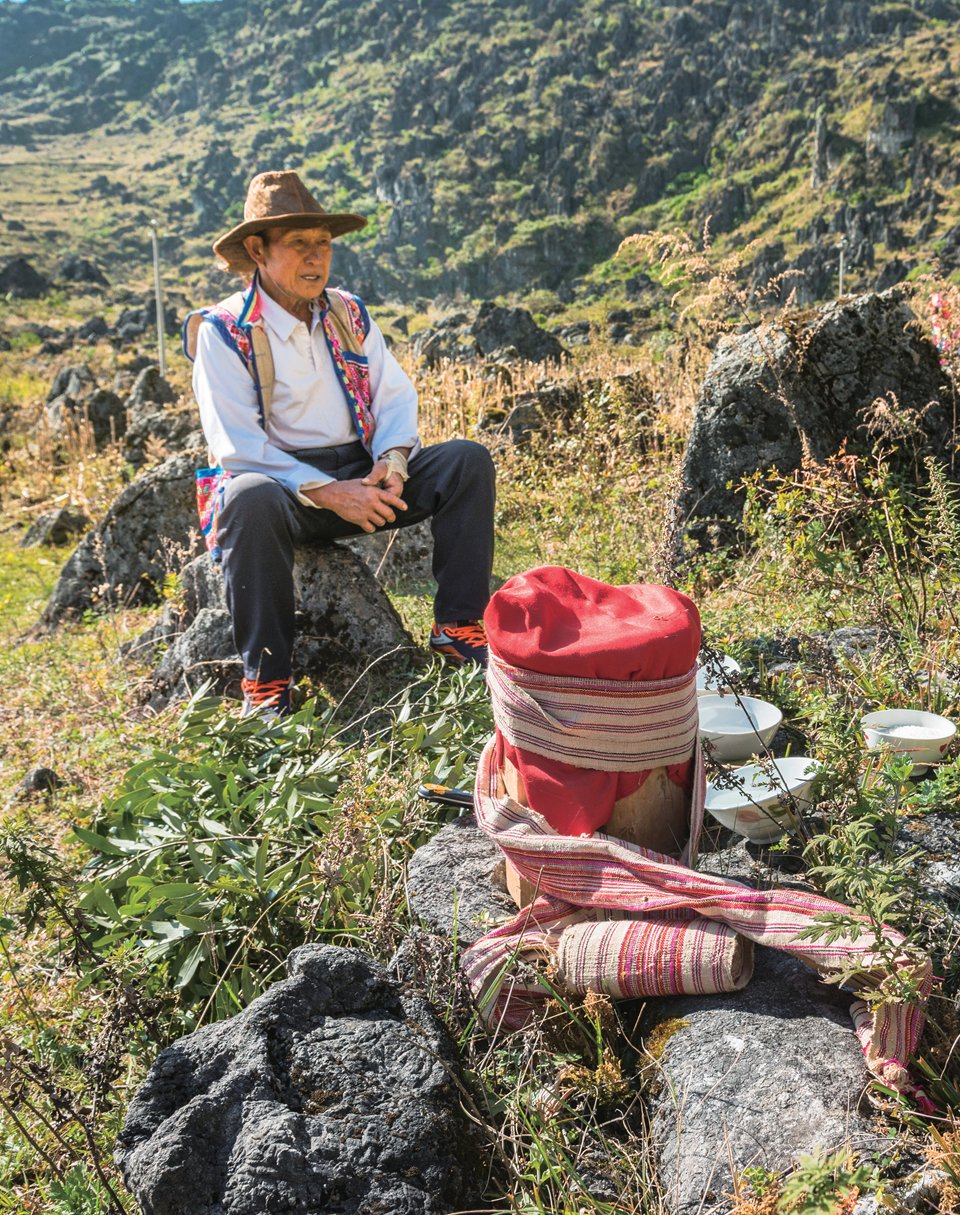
{"type": "Point", "coordinates": [559, 622]}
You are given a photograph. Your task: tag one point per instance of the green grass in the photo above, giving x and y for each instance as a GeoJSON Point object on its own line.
{"type": "Point", "coordinates": [27, 576]}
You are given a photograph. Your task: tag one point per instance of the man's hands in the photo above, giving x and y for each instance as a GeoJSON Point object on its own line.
{"type": "Point", "coordinates": [381, 474]}
{"type": "Point", "coordinates": [369, 503]}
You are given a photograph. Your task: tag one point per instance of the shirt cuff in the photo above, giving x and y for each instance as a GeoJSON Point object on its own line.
{"type": "Point", "coordinates": [314, 484]}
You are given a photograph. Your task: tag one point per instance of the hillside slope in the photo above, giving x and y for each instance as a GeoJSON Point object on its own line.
{"type": "Point", "coordinates": [498, 147]}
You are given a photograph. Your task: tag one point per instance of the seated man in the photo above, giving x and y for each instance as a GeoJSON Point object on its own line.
{"type": "Point", "coordinates": [306, 408]}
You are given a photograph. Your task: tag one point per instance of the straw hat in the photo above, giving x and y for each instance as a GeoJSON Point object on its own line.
{"type": "Point", "coordinates": [278, 200]}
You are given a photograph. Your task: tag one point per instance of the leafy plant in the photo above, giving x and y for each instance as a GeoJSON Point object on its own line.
{"type": "Point", "coordinates": [216, 858]}
{"type": "Point", "coordinates": [825, 1184]}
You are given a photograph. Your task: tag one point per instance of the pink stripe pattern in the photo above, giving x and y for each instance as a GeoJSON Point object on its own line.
{"type": "Point", "coordinates": [605, 725]}
{"type": "Point", "coordinates": [679, 940]}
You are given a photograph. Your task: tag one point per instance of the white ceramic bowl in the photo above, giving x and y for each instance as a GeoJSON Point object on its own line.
{"type": "Point", "coordinates": [733, 731]}
{"type": "Point", "coordinates": [922, 736]}
{"type": "Point", "coordinates": [754, 808]}
{"type": "Point", "coordinates": [709, 684]}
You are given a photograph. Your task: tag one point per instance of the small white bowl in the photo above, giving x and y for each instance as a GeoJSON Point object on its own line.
{"type": "Point", "coordinates": [755, 809]}
{"type": "Point", "coordinates": [923, 737]}
{"type": "Point", "coordinates": [708, 683]}
{"type": "Point", "coordinates": [733, 731]}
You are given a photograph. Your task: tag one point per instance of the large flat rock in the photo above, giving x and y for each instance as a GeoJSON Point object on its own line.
{"type": "Point", "coordinates": [756, 1077]}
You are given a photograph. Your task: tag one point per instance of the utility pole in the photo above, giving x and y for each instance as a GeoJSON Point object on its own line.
{"type": "Point", "coordinates": [158, 295]}
{"type": "Point", "coordinates": [843, 250]}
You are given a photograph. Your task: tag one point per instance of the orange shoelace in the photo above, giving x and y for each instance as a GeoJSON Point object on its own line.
{"type": "Point", "coordinates": [471, 631]}
{"type": "Point", "coordinates": [261, 692]}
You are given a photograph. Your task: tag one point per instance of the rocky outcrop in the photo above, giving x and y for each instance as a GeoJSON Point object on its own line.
{"type": "Point", "coordinates": [99, 407]}
{"type": "Point", "coordinates": [151, 422]}
{"type": "Point", "coordinates": [333, 1091]}
{"type": "Point", "coordinates": [455, 883]}
{"type": "Point", "coordinates": [344, 622]}
{"type": "Point", "coordinates": [810, 379]}
{"type": "Point", "coordinates": [55, 527]}
{"type": "Point", "coordinates": [755, 1077]}
{"type": "Point", "coordinates": [74, 381]}
{"type": "Point", "coordinates": [400, 559]}
{"type": "Point", "coordinates": [150, 391]}
{"type": "Point", "coordinates": [150, 531]}
{"type": "Point", "coordinates": [76, 269]}
{"type": "Point", "coordinates": [494, 333]}
{"type": "Point", "coordinates": [21, 281]}
{"type": "Point", "coordinates": [526, 413]}
{"type": "Point", "coordinates": [139, 319]}
{"type": "Point", "coordinates": [76, 399]}
{"type": "Point", "coordinates": [557, 404]}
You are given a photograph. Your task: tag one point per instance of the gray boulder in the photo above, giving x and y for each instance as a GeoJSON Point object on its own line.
{"type": "Point", "coordinates": [344, 622]}
{"type": "Point", "coordinates": [494, 333]}
{"type": "Point", "coordinates": [39, 780]}
{"type": "Point", "coordinates": [139, 319]}
{"type": "Point", "coordinates": [455, 883]}
{"type": "Point", "coordinates": [334, 1091]}
{"type": "Point", "coordinates": [756, 1077]}
{"type": "Point", "coordinates": [150, 531]}
{"type": "Point", "coordinates": [100, 407]}
{"type": "Point", "coordinates": [154, 421]}
{"type": "Point", "coordinates": [55, 527]}
{"type": "Point", "coordinates": [401, 559]}
{"type": "Point", "coordinates": [163, 433]}
{"type": "Point", "coordinates": [149, 393]}
{"type": "Point", "coordinates": [95, 327]}
{"type": "Point", "coordinates": [76, 269]}
{"type": "Point", "coordinates": [828, 368]}
{"type": "Point", "coordinates": [75, 397]}
{"type": "Point", "coordinates": [21, 281]}
{"type": "Point", "coordinates": [76, 380]}
{"type": "Point", "coordinates": [531, 411]}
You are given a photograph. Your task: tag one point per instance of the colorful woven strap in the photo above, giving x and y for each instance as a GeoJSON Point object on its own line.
{"type": "Point", "coordinates": [606, 725]}
{"type": "Point", "coordinates": [630, 959]}
{"type": "Point", "coordinates": [599, 873]}
{"type": "Point", "coordinates": [353, 371]}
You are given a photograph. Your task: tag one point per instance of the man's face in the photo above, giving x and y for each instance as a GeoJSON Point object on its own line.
{"type": "Point", "coordinates": [294, 260]}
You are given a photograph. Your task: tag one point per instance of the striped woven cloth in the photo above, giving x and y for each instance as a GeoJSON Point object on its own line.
{"type": "Point", "coordinates": [604, 724]}
{"type": "Point", "coordinates": [584, 883]}
{"type": "Point", "coordinates": [629, 959]}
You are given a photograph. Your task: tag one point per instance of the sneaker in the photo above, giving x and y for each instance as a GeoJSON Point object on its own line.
{"type": "Point", "coordinates": [460, 642]}
{"type": "Point", "coordinates": [266, 698]}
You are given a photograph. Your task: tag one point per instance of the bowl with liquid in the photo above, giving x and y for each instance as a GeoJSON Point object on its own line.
{"type": "Point", "coordinates": [737, 728]}
{"type": "Point", "coordinates": [765, 799]}
{"type": "Point", "coordinates": [914, 733]}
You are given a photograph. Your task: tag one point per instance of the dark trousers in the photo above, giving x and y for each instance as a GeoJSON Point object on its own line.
{"type": "Point", "coordinates": [452, 484]}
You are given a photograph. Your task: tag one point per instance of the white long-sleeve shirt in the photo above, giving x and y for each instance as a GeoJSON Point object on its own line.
{"type": "Point", "coordinates": [309, 408]}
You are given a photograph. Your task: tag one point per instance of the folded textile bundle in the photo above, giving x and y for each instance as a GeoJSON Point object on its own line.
{"type": "Point", "coordinates": [628, 959]}
{"type": "Point", "coordinates": [640, 921]}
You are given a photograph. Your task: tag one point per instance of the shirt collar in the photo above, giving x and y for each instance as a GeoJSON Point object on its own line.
{"type": "Point", "coordinates": [282, 322]}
